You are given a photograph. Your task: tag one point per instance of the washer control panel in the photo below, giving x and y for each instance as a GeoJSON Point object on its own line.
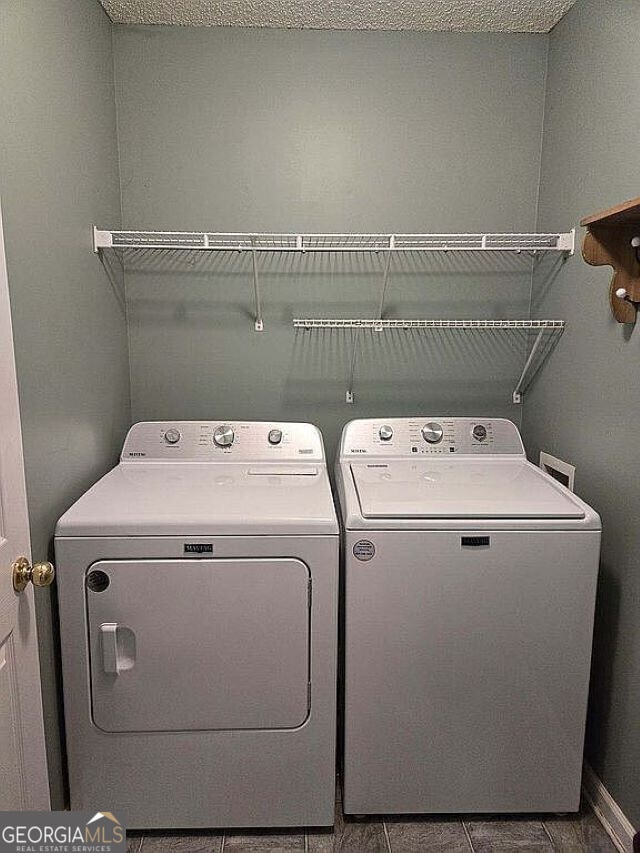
{"type": "Point", "coordinates": [215, 441]}
{"type": "Point", "coordinates": [430, 436]}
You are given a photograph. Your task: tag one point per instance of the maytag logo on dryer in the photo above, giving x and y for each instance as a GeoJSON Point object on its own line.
{"type": "Point", "coordinates": [137, 453]}
{"type": "Point", "coordinates": [358, 450]}
{"type": "Point", "coordinates": [198, 548]}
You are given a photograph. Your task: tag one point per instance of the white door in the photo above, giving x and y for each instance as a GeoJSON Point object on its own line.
{"type": "Point", "coordinates": [23, 766]}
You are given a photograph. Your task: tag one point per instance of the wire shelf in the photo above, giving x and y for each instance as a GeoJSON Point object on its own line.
{"type": "Point", "coordinates": [548, 334]}
{"type": "Point", "coordinates": [212, 241]}
{"type": "Point", "coordinates": [531, 244]}
{"type": "Point", "coordinates": [426, 324]}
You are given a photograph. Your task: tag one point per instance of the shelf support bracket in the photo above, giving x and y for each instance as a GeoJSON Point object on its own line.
{"type": "Point", "coordinates": [349, 397]}
{"type": "Point", "coordinates": [567, 242]}
{"type": "Point", "coordinates": [519, 389]}
{"type": "Point", "coordinates": [259, 324]}
{"type": "Point", "coordinates": [101, 239]}
{"type": "Point", "coordinates": [385, 279]}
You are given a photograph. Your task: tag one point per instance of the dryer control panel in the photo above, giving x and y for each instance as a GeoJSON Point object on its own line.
{"type": "Point", "coordinates": [216, 441]}
{"type": "Point", "coordinates": [431, 436]}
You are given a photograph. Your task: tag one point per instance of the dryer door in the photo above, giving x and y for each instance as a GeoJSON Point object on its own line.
{"type": "Point", "coordinates": [180, 645]}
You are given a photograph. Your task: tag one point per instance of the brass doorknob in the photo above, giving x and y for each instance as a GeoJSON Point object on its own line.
{"type": "Point", "coordinates": [40, 574]}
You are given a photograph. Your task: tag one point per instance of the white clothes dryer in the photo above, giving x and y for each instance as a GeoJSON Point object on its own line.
{"type": "Point", "coordinates": [197, 587]}
{"type": "Point", "coordinates": [470, 582]}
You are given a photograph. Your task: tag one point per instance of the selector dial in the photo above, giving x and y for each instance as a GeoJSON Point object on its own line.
{"type": "Point", "coordinates": [172, 436]}
{"type": "Point", "coordinates": [432, 433]}
{"type": "Point", "coordinates": [479, 432]}
{"type": "Point", "coordinates": [275, 436]}
{"type": "Point", "coordinates": [223, 436]}
{"type": "Point", "coordinates": [385, 432]}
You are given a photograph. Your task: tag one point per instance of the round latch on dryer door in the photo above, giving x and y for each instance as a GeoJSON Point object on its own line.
{"type": "Point", "coordinates": [364, 550]}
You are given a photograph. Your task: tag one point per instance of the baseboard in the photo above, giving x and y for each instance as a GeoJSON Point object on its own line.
{"type": "Point", "coordinates": [608, 812]}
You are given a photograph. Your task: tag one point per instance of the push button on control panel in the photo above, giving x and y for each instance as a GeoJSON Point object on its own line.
{"type": "Point", "coordinates": [275, 436]}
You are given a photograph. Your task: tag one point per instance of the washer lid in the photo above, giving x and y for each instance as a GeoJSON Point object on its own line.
{"type": "Point", "coordinates": [502, 488]}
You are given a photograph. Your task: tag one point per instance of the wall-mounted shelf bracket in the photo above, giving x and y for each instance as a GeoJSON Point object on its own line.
{"type": "Point", "coordinates": [101, 239]}
{"type": "Point", "coordinates": [519, 389]}
{"type": "Point", "coordinates": [567, 242]}
{"type": "Point", "coordinates": [548, 334]}
{"type": "Point", "coordinates": [385, 280]}
{"type": "Point", "coordinates": [259, 324]}
{"type": "Point", "coordinates": [613, 239]}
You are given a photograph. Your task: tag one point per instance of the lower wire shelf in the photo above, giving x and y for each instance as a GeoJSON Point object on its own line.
{"type": "Point", "coordinates": [548, 334]}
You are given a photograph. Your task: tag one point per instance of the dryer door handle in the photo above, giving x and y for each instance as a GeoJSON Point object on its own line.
{"type": "Point", "coordinates": [118, 647]}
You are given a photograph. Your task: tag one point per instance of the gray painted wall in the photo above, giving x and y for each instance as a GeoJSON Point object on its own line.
{"type": "Point", "coordinates": [58, 174]}
{"type": "Point", "coordinates": [290, 130]}
{"type": "Point", "coordinates": [585, 407]}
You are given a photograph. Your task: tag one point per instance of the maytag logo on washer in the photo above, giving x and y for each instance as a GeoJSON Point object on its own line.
{"type": "Point", "coordinates": [364, 550]}
{"type": "Point", "coordinates": [61, 832]}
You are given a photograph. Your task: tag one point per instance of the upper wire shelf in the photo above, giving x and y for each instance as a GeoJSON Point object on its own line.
{"type": "Point", "coordinates": [210, 241]}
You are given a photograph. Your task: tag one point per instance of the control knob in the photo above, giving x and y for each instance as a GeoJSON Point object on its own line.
{"type": "Point", "coordinates": [275, 436]}
{"type": "Point", "coordinates": [223, 436]}
{"type": "Point", "coordinates": [432, 433]}
{"type": "Point", "coordinates": [479, 432]}
{"type": "Point", "coordinates": [172, 436]}
{"type": "Point", "coordinates": [385, 432]}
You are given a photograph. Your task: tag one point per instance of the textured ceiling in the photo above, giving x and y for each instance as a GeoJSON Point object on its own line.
{"type": "Point", "coordinates": [531, 16]}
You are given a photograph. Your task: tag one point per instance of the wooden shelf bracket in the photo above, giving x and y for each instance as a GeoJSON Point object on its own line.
{"type": "Point", "coordinates": [613, 239]}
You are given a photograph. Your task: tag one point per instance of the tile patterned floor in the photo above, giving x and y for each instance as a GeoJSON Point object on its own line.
{"type": "Point", "coordinates": [580, 833]}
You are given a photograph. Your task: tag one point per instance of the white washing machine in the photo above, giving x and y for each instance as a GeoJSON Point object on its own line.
{"type": "Point", "coordinates": [470, 591]}
{"type": "Point", "coordinates": [197, 585]}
